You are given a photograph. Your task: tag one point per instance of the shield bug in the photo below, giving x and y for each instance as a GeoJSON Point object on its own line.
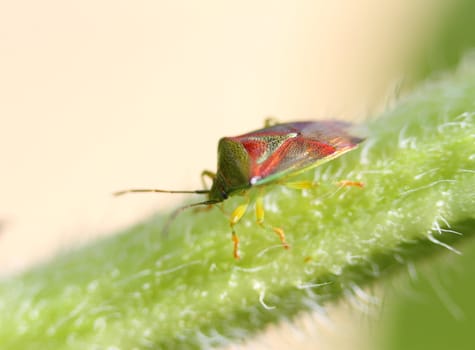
{"type": "Point", "coordinates": [267, 156]}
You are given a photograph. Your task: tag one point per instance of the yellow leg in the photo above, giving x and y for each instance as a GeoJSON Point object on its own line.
{"type": "Point", "coordinates": [235, 239]}
{"type": "Point", "coordinates": [270, 121]}
{"type": "Point", "coordinates": [208, 174]}
{"type": "Point", "coordinates": [301, 185]}
{"type": "Point", "coordinates": [236, 215]}
{"type": "Point", "coordinates": [259, 211]}
{"type": "Point", "coordinates": [260, 221]}
{"type": "Point", "coordinates": [348, 183]}
{"type": "Point", "coordinates": [281, 235]}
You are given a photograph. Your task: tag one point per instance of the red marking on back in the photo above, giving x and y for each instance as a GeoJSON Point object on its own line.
{"type": "Point", "coordinates": [255, 148]}
{"type": "Point", "coordinates": [289, 147]}
{"type": "Point", "coordinates": [290, 150]}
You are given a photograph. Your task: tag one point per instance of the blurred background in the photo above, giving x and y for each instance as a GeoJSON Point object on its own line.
{"type": "Point", "coordinates": [100, 96]}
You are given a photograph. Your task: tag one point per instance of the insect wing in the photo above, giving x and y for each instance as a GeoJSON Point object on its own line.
{"type": "Point", "coordinates": [287, 149]}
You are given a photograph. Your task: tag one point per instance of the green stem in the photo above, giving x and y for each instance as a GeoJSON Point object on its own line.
{"type": "Point", "coordinates": [141, 290]}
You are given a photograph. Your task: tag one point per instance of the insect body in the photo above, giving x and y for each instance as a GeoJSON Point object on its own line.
{"type": "Point", "coordinates": [270, 155]}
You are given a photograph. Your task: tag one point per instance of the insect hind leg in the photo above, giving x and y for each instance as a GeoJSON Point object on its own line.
{"type": "Point", "coordinates": [350, 183]}
{"type": "Point", "coordinates": [259, 206]}
{"type": "Point", "coordinates": [301, 185]}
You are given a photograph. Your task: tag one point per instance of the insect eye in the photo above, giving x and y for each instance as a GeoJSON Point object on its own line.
{"type": "Point", "coordinates": [224, 195]}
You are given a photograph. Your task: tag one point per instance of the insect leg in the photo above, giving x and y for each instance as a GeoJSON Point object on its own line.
{"type": "Point", "coordinates": [208, 174]}
{"type": "Point", "coordinates": [260, 221]}
{"type": "Point", "coordinates": [301, 185]}
{"type": "Point", "coordinates": [270, 121]}
{"type": "Point", "coordinates": [349, 183]}
{"type": "Point", "coordinates": [236, 215]}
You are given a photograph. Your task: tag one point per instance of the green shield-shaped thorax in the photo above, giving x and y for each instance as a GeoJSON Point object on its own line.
{"type": "Point", "coordinates": [233, 170]}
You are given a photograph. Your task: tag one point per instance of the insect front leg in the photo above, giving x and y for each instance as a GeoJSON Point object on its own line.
{"type": "Point", "coordinates": [207, 174]}
{"type": "Point", "coordinates": [236, 216]}
{"type": "Point", "coordinates": [259, 206]}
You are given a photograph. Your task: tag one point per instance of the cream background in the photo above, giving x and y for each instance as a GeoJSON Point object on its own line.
{"type": "Point", "coordinates": [97, 96]}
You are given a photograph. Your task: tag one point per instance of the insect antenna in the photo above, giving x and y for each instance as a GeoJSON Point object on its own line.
{"type": "Point", "coordinates": [143, 190]}
{"type": "Point", "coordinates": [177, 211]}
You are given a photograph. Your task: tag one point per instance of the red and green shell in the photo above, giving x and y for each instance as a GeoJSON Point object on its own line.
{"type": "Point", "coordinates": [266, 155]}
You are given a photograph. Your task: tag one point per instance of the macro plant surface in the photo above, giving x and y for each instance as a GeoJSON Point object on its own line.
{"type": "Point", "coordinates": [141, 290]}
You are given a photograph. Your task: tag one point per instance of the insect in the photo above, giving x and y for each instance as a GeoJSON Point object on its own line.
{"type": "Point", "coordinates": [266, 156]}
